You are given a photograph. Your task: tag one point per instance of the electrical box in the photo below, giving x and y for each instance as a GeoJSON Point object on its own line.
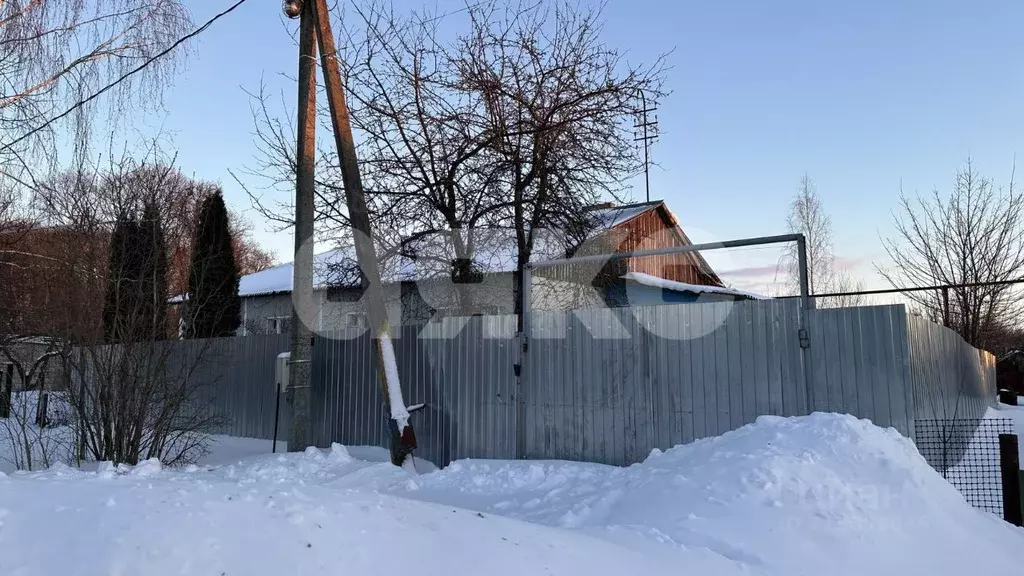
{"type": "Point", "coordinates": [281, 371]}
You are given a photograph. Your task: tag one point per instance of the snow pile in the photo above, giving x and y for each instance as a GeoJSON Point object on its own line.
{"type": "Point", "coordinates": [1016, 415]}
{"type": "Point", "coordinates": [258, 519]}
{"type": "Point", "coordinates": [819, 494]}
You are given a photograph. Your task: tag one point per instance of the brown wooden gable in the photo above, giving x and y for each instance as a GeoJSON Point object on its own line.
{"type": "Point", "coordinates": [657, 228]}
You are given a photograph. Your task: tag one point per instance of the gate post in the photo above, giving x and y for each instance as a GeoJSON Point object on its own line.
{"type": "Point", "coordinates": [1009, 466]}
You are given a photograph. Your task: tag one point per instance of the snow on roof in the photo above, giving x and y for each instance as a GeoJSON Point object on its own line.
{"type": "Point", "coordinates": [607, 218]}
{"type": "Point", "coordinates": [337, 267]}
{"type": "Point", "coordinates": [657, 282]}
{"type": "Point", "coordinates": [279, 278]}
{"type": "Point", "coordinates": [494, 253]}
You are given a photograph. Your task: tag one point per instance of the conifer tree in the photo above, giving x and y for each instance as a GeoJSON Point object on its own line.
{"type": "Point", "coordinates": [154, 282]}
{"type": "Point", "coordinates": [213, 308]}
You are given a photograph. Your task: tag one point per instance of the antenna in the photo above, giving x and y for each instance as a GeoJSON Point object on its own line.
{"type": "Point", "coordinates": [645, 131]}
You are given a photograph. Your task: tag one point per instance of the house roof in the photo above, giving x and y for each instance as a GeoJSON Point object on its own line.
{"type": "Point", "coordinates": [278, 279]}
{"type": "Point", "coordinates": [1015, 357]}
{"type": "Point", "coordinates": [608, 218]}
{"type": "Point", "coordinates": [331, 268]}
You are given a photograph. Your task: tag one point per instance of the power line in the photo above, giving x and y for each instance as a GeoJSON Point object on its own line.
{"type": "Point", "coordinates": [915, 289]}
{"type": "Point", "coordinates": [126, 75]}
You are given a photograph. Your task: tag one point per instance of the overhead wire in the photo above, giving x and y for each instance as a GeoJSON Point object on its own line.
{"type": "Point", "coordinates": [124, 76]}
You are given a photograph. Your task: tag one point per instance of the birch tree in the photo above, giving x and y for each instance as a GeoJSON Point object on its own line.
{"type": "Point", "coordinates": [56, 53]}
{"type": "Point", "coordinates": [807, 216]}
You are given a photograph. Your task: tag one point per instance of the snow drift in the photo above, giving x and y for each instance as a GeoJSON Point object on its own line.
{"type": "Point", "coordinates": [818, 494]}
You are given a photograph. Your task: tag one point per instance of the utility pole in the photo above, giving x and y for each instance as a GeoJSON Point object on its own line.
{"type": "Point", "coordinates": [403, 441]}
{"type": "Point", "coordinates": [300, 369]}
{"type": "Point", "coordinates": [645, 131]}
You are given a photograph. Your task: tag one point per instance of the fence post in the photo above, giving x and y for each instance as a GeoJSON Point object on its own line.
{"type": "Point", "coordinates": [526, 313]}
{"type": "Point", "coordinates": [1009, 466]}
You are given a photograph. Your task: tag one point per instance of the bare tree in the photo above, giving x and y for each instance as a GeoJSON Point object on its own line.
{"type": "Point", "coordinates": [142, 400]}
{"type": "Point", "coordinates": [558, 100]}
{"type": "Point", "coordinates": [421, 151]}
{"type": "Point", "coordinates": [48, 304]}
{"type": "Point", "coordinates": [130, 401]}
{"type": "Point", "coordinates": [1003, 338]}
{"type": "Point", "coordinates": [843, 282]}
{"type": "Point", "coordinates": [129, 183]}
{"type": "Point", "coordinates": [973, 235]}
{"type": "Point", "coordinates": [807, 216]}
{"type": "Point", "coordinates": [55, 53]}
{"type": "Point", "coordinates": [472, 144]}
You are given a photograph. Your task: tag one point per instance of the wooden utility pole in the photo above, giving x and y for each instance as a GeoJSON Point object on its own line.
{"type": "Point", "coordinates": [402, 439]}
{"type": "Point", "coordinates": [300, 369]}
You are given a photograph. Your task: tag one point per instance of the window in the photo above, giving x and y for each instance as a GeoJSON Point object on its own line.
{"type": "Point", "coordinates": [355, 320]}
{"type": "Point", "coordinates": [279, 324]}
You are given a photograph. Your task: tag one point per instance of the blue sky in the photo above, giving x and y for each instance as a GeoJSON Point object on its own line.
{"type": "Point", "coordinates": [862, 96]}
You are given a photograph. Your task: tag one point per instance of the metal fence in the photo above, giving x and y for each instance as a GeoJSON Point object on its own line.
{"type": "Point", "coordinates": [609, 385]}
{"type": "Point", "coordinates": [951, 380]}
{"type": "Point", "coordinates": [966, 453]}
{"type": "Point", "coordinates": [461, 369]}
{"type": "Point", "coordinates": [860, 364]}
{"type": "Point", "coordinates": [238, 374]}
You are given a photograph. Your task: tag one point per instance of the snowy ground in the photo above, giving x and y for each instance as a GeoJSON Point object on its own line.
{"type": "Point", "coordinates": [819, 494]}
{"type": "Point", "coordinates": [1014, 413]}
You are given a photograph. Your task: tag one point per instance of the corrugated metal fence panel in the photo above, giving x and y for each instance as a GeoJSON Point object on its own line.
{"type": "Point", "coordinates": [239, 373]}
{"type": "Point", "coordinates": [859, 361]}
{"type": "Point", "coordinates": [988, 371]}
{"type": "Point", "coordinates": [230, 379]}
{"type": "Point", "coordinates": [609, 385]}
{"type": "Point", "coordinates": [460, 369]}
{"type": "Point", "coordinates": [951, 379]}
{"type": "Point", "coordinates": [348, 406]}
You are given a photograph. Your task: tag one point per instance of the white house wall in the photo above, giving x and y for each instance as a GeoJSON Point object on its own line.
{"type": "Point", "coordinates": [436, 298]}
